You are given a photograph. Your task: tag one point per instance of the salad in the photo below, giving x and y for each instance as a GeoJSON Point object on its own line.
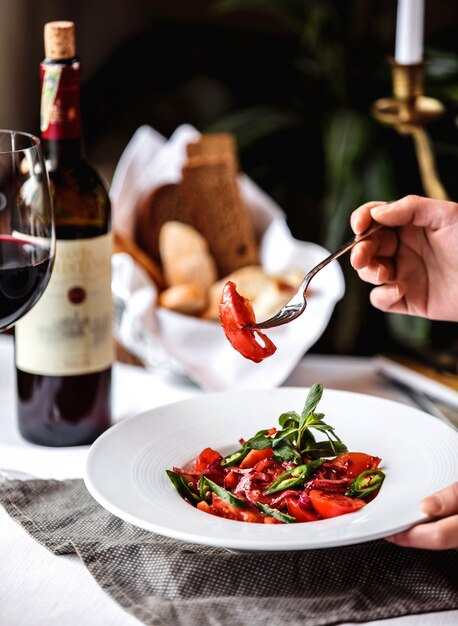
{"type": "Point", "coordinates": [283, 474]}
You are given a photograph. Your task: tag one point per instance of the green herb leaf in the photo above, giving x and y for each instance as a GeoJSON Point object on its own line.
{"type": "Point", "coordinates": [275, 513]}
{"type": "Point", "coordinates": [314, 396]}
{"type": "Point", "coordinates": [309, 419]}
{"type": "Point", "coordinates": [285, 450]}
{"type": "Point", "coordinates": [290, 433]}
{"type": "Point", "coordinates": [288, 418]}
{"type": "Point", "coordinates": [260, 443]}
{"type": "Point", "coordinates": [308, 439]}
{"type": "Point", "coordinates": [225, 495]}
{"type": "Point", "coordinates": [322, 449]}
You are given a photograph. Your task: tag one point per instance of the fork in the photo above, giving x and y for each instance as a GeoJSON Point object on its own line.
{"type": "Point", "coordinates": [298, 303]}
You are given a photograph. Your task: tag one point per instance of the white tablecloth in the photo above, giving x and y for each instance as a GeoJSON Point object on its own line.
{"type": "Point", "coordinates": [40, 589]}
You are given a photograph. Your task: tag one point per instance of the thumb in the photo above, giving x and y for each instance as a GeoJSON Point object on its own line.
{"type": "Point", "coordinates": [442, 503]}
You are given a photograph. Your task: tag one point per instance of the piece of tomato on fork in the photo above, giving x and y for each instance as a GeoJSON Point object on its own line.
{"type": "Point", "coordinates": [236, 313]}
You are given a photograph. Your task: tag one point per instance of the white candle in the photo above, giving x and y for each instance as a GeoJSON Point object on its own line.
{"type": "Point", "coordinates": [409, 32]}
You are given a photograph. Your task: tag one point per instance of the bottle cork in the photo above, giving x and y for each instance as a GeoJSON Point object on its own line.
{"type": "Point", "coordinates": [60, 40]}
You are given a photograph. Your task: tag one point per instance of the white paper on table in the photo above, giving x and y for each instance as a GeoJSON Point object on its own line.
{"type": "Point", "coordinates": [199, 347]}
{"type": "Point", "coordinates": [415, 380]}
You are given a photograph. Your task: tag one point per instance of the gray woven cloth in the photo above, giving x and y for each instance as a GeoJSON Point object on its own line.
{"type": "Point", "coordinates": [166, 582]}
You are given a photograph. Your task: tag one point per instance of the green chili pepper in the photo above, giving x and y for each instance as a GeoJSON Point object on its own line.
{"type": "Point", "coordinates": [183, 487]}
{"type": "Point", "coordinates": [294, 477]}
{"type": "Point", "coordinates": [275, 513]}
{"type": "Point", "coordinates": [367, 482]}
{"type": "Point", "coordinates": [204, 490]}
{"type": "Point", "coordinates": [225, 495]}
{"type": "Point", "coordinates": [235, 457]}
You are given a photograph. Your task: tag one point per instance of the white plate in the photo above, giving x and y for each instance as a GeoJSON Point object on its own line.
{"type": "Point", "coordinates": [126, 466]}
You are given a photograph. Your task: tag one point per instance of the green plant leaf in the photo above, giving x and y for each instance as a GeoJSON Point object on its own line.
{"type": "Point", "coordinates": [322, 449]}
{"type": "Point", "coordinates": [289, 417]}
{"type": "Point", "coordinates": [313, 397]}
{"type": "Point", "coordinates": [260, 443]}
{"type": "Point", "coordinates": [285, 450]}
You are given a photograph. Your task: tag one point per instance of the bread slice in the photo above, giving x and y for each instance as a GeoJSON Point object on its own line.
{"type": "Point", "coordinates": [214, 144]}
{"type": "Point", "coordinates": [217, 211]}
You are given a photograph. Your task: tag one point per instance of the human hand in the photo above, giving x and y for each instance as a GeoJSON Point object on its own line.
{"type": "Point", "coordinates": [414, 261]}
{"type": "Point", "coordinates": [441, 534]}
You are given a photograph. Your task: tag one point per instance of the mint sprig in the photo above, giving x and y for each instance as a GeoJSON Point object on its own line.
{"type": "Point", "coordinates": [296, 440]}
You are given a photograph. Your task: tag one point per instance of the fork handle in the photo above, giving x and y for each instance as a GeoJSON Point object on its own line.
{"type": "Point", "coordinates": [343, 248]}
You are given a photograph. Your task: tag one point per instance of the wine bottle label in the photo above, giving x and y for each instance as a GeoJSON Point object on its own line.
{"type": "Point", "coordinates": [60, 101]}
{"type": "Point", "coordinates": [69, 330]}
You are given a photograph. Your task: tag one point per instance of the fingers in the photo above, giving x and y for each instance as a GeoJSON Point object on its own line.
{"type": "Point", "coordinates": [389, 298]}
{"type": "Point", "coordinates": [415, 210]}
{"type": "Point", "coordinates": [377, 273]}
{"type": "Point", "coordinates": [384, 244]}
{"type": "Point", "coordinates": [361, 218]}
{"type": "Point", "coordinates": [442, 503]}
{"type": "Point", "coordinates": [422, 212]}
{"type": "Point", "coordinates": [440, 535]}
{"type": "Point", "coordinates": [371, 256]}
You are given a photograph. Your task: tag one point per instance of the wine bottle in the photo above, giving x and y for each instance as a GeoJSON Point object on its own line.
{"type": "Point", "coordinates": [64, 345]}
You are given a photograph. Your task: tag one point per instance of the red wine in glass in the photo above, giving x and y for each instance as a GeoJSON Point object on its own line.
{"type": "Point", "coordinates": [25, 268]}
{"type": "Point", "coordinates": [27, 234]}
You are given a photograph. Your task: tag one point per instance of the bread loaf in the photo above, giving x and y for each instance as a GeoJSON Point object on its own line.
{"type": "Point", "coordinates": [188, 298]}
{"type": "Point", "coordinates": [163, 204]}
{"type": "Point", "coordinates": [185, 256]}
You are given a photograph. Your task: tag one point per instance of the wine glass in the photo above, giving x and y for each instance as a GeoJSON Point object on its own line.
{"type": "Point", "coordinates": [27, 237]}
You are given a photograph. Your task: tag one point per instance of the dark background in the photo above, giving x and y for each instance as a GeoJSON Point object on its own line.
{"type": "Point", "coordinates": [294, 80]}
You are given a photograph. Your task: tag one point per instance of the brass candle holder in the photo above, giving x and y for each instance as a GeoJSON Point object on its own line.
{"type": "Point", "coordinates": [408, 112]}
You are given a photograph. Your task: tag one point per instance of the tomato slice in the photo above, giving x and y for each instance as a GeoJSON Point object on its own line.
{"type": "Point", "coordinates": [235, 312]}
{"type": "Point", "coordinates": [328, 504]}
{"type": "Point", "coordinates": [254, 456]}
{"type": "Point", "coordinates": [231, 480]}
{"type": "Point", "coordinates": [206, 458]}
{"type": "Point", "coordinates": [223, 509]}
{"type": "Point", "coordinates": [356, 462]}
{"type": "Point", "coordinates": [302, 515]}
{"type": "Point", "coordinates": [205, 507]}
